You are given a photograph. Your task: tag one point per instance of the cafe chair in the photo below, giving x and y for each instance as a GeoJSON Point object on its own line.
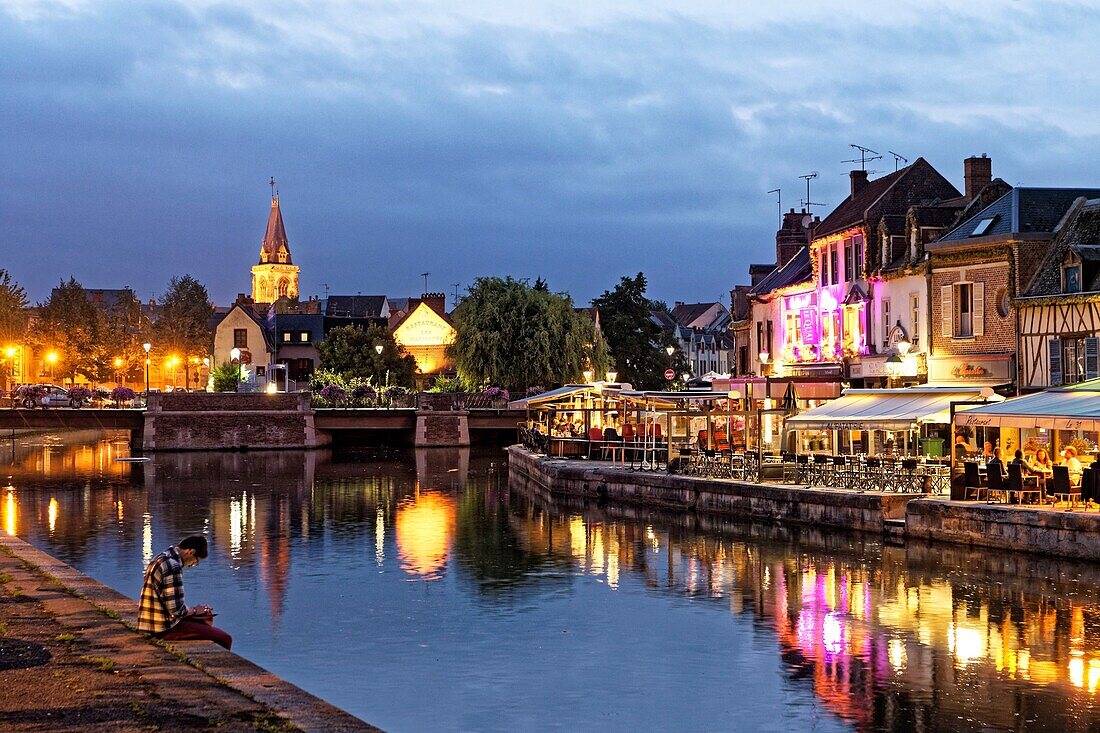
{"type": "Point", "coordinates": [972, 482]}
{"type": "Point", "coordinates": [1018, 486]}
{"type": "Point", "coordinates": [1063, 489]}
{"type": "Point", "coordinates": [595, 440]}
{"type": "Point", "coordinates": [996, 489]}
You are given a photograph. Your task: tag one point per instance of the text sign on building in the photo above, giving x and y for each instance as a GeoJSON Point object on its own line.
{"type": "Point", "coordinates": [808, 326]}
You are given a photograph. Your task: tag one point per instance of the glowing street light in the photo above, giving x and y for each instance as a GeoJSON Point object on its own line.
{"type": "Point", "coordinates": [147, 346]}
{"type": "Point", "coordinates": [612, 375]}
{"type": "Point", "coordinates": [235, 355]}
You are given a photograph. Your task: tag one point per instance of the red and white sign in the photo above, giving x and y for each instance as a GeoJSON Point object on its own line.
{"type": "Point", "coordinates": [669, 374]}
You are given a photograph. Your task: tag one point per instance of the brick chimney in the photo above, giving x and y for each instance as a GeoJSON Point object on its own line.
{"type": "Point", "coordinates": [436, 301]}
{"type": "Point", "coordinates": [859, 180]}
{"type": "Point", "coordinates": [978, 173]}
{"type": "Point", "coordinates": [791, 237]}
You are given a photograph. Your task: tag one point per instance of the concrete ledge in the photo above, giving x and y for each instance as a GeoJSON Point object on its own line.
{"type": "Point", "coordinates": [865, 511]}
{"type": "Point", "coordinates": [295, 705]}
{"type": "Point", "coordinates": [1006, 526]}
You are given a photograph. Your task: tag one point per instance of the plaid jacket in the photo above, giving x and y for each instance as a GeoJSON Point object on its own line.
{"type": "Point", "coordinates": [161, 605]}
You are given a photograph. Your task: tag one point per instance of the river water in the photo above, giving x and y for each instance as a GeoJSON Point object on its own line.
{"type": "Point", "coordinates": [419, 591]}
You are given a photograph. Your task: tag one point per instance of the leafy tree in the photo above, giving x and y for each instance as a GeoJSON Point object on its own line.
{"type": "Point", "coordinates": [68, 326]}
{"type": "Point", "coordinates": [350, 352]}
{"type": "Point", "coordinates": [225, 377]}
{"type": "Point", "coordinates": [183, 327]}
{"type": "Point", "coordinates": [637, 343]}
{"type": "Point", "coordinates": [513, 336]}
{"type": "Point", "coordinates": [13, 313]}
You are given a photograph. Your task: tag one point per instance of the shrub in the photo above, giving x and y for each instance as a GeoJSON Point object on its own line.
{"type": "Point", "coordinates": [123, 394]}
{"type": "Point", "coordinates": [361, 393]}
{"type": "Point", "coordinates": [333, 393]}
{"type": "Point", "coordinates": [446, 384]}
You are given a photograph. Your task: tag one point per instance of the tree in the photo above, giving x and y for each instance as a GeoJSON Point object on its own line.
{"type": "Point", "coordinates": [637, 343]}
{"type": "Point", "coordinates": [183, 328]}
{"type": "Point", "coordinates": [67, 329]}
{"type": "Point", "coordinates": [13, 310]}
{"type": "Point", "coordinates": [226, 377]}
{"type": "Point", "coordinates": [350, 352]}
{"type": "Point", "coordinates": [515, 336]}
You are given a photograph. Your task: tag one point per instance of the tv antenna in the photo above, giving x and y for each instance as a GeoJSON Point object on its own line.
{"type": "Point", "coordinates": [897, 159]}
{"type": "Point", "coordinates": [325, 286]}
{"type": "Point", "coordinates": [455, 286]}
{"type": "Point", "coordinates": [807, 203]}
{"type": "Point", "coordinates": [425, 276]}
{"type": "Point", "coordinates": [863, 156]}
{"type": "Point", "coordinates": [779, 200]}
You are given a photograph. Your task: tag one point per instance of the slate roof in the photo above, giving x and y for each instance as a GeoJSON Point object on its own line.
{"type": "Point", "coordinates": [274, 236]}
{"type": "Point", "coordinates": [1021, 211]}
{"type": "Point", "coordinates": [687, 313]}
{"type": "Point", "coordinates": [796, 270]}
{"type": "Point", "coordinates": [1081, 233]}
{"type": "Point", "coordinates": [355, 306]}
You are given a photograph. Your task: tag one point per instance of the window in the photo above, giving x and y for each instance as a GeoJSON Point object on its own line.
{"type": "Point", "coordinates": [848, 274]}
{"type": "Point", "coordinates": [964, 323]}
{"type": "Point", "coordinates": [963, 309]}
{"type": "Point", "coordinates": [284, 288]}
{"type": "Point", "coordinates": [857, 246]}
{"type": "Point", "coordinates": [1004, 306]}
{"type": "Point", "coordinates": [983, 226]}
{"type": "Point", "coordinates": [240, 338]}
{"type": "Point", "coordinates": [886, 322]}
{"type": "Point", "coordinates": [833, 273]}
{"type": "Point", "coordinates": [1074, 359]}
{"type": "Point", "coordinates": [823, 270]}
{"type": "Point", "coordinates": [286, 337]}
{"type": "Point", "coordinates": [914, 318]}
{"type": "Point", "coordinates": [303, 337]}
{"type": "Point", "coordinates": [1071, 277]}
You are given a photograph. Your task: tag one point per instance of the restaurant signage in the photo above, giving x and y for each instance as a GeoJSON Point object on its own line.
{"type": "Point", "coordinates": [808, 325]}
{"type": "Point", "coordinates": [969, 370]}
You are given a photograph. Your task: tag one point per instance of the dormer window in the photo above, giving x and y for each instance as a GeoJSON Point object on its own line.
{"type": "Point", "coordinates": [1071, 273]}
{"type": "Point", "coordinates": [282, 254]}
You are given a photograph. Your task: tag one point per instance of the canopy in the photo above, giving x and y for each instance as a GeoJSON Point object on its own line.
{"type": "Point", "coordinates": [671, 399]}
{"type": "Point", "coordinates": [1072, 408]}
{"type": "Point", "coordinates": [552, 396]}
{"type": "Point", "coordinates": [885, 409]}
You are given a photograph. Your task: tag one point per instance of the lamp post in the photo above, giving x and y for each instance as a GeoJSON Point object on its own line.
{"type": "Point", "coordinates": [206, 366]}
{"type": "Point", "coordinates": [235, 356]}
{"type": "Point", "coordinates": [765, 357]}
{"type": "Point", "coordinates": [146, 346]}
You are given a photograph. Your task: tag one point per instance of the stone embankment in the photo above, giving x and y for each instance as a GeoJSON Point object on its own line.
{"type": "Point", "coordinates": [1037, 530]}
{"type": "Point", "coordinates": [70, 660]}
{"type": "Point", "coordinates": [214, 421]}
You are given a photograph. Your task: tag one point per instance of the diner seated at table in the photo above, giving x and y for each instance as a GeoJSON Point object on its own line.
{"type": "Point", "coordinates": [995, 463]}
{"type": "Point", "coordinates": [987, 450]}
{"type": "Point", "coordinates": [1041, 463]}
{"type": "Point", "coordinates": [962, 450]}
{"type": "Point", "coordinates": [1073, 463]}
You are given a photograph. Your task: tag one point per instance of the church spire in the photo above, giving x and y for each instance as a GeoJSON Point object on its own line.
{"type": "Point", "coordinates": [275, 247]}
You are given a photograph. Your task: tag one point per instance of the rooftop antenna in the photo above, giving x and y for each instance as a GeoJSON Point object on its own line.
{"type": "Point", "coordinates": [897, 159]}
{"type": "Point", "coordinates": [425, 276]}
{"type": "Point", "coordinates": [455, 286]}
{"type": "Point", "coordinates": [863, 157]}
{"type": "Point", "coordinates": [274, 191]}
{"type": "Point", "coordinates": [779, 200]}
{"type": "Point", "coordinates": [807, 203]}
{"type": "Point", "coordinates": [325, 286]}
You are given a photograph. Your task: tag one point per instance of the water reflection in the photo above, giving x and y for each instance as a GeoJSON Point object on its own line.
{"type": "Point", "coordinates": [325, 564]}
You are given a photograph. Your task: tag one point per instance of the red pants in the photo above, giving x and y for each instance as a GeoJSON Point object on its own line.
{"type": "Point", "coordinates": [189, 629]}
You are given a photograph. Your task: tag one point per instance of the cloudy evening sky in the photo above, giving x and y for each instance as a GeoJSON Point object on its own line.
{"type": "Point", "coordinates": [576, 140]}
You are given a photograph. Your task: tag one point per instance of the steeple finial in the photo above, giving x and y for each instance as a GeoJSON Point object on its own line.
{"type": "Point", "coordinates": [274, 191]}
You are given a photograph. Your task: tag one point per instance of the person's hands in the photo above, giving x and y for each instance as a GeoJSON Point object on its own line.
{"type": "Point", "coordinates": [202, 610]}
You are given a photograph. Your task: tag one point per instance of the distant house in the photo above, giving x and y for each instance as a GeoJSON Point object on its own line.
{"type": "Point", "coordinates": [242, 328]}
{"type": "Point", "coordinates": [423, 327]}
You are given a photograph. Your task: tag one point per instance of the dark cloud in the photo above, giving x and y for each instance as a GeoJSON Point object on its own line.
{"type": "Point", "coordinates": [573, 145]}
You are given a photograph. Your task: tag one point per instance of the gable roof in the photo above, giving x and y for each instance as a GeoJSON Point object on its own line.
{"type": "Point", "coordinates": [250, 312]}
{"type": "Point", "coordinates": [1020, 211]}
{"type": "Point", "coordinates": [355, 306]}
{"type": "Point", "coordinates": [796, 270]}
{"type": "Point", "coordinates": [275, 236]}
{"type": "Point", "coordinates": [1080, 233]}
{"type": "Point", "coordinates": [916, 183]}
{"type": "Point", "coordinates": [414, 305]}
{"type": "Point", "coordinates": [687, 313]}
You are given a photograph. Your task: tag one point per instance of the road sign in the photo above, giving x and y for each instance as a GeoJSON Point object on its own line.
{"type": "Point", "coordinates": [669, 374]}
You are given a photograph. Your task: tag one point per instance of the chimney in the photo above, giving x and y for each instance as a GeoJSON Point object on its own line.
{"type": "Point", "coordinates": [792, 237]}
{"type": "Point", "coordinates": [978, 173]}
{"type": "Point", "coordinates": [436, 301]}
{"type": "Point", "coordinates": [859, 180]}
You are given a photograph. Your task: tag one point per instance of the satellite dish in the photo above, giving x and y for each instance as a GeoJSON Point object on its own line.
{"type": "Point", "coordinates": [807, 220]}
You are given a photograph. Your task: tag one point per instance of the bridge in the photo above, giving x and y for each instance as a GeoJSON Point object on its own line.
{"type": "Point", "coordinates": [247, 421]}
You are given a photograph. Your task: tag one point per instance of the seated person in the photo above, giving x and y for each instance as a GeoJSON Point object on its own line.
{"type": "Point", "coordinates": [1073, 463]}
{"type": "Point", "coordinates": [962, 450]}
{"type": "Point", "coordinates": [162, 612]}
{"type": "Point", "coordinates": [995, 463]}
{"type": "Point", "coordinates": [987, 451]}
{"type": "Point", "coordinates": [1042, 463]}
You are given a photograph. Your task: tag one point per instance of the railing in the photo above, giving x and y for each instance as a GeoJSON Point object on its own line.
{"type": "Point", "coordinates": [438, 401]}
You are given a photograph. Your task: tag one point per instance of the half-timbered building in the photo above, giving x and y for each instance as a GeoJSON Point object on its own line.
{"type": "Point", "coordinates": [1059, 315]}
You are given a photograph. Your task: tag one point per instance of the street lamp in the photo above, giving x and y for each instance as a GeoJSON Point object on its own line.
{"type": "Point", "coordinates": [587, 374]}
{"type": "Point", "coordinates": [146, 346]}
{"type": "Point", "coordinates": [894, 364]}
{"type": "Point", "coordinates": [51, 359]}
{"type": "Point", "coordinates": [235, 356]}
{"type": "Point", "coordinates": [612, 375]}
{"type": "Point", "coordinates": [9, 352]}
{"type": "Point", "coordinates": [118, 366]}
{"type": "Point", "coordinates": [206, 366]}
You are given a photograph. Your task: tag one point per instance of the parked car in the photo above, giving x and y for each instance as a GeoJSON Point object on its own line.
{"type": "Point", "coordinates": [51, 395]}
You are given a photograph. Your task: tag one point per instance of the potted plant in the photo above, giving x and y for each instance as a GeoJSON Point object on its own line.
{"type": "Point", "coordinates": [79, 396]}
{"type": "Point", "coordinates": [123, 394]}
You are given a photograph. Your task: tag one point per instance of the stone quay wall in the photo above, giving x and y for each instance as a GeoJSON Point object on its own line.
{"type": "Point", "coordinates": [221, 421]}
{"type": "Point", "coordinates": [866, 511]}
{"type": "Point", "coordinates": [1006, 526]}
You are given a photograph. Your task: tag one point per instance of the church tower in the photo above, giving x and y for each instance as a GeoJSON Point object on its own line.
{"type": "Point", "coordinates": [276, 275]}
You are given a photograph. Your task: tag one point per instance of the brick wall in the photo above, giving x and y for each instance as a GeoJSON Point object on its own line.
{"type": "Point", "coordinates": [220, 430]}
{"type": "Point", "coordinates": [204, 401]}
{"type": "Point", "coordinates": [999, 336]}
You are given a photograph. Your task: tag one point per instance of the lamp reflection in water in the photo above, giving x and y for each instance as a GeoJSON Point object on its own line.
{"type": "Point", "coordinates": [379, 536]}
{"type": "Point", "coordinates": [9, 514]}
{"type": "Point", "coordinates": [146, 538]}
{"type": "Point", "coordinates": [51, 513]}
{"type": "Point", "coordinates": [425, 525]}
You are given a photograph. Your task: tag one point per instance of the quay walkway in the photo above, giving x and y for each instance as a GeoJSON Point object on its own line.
{"type": "Point", "coordinates": [70, 660]}
{"type": "Point", "coordinates": [1033, 529]}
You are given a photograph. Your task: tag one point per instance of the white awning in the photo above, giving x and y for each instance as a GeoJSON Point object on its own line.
{"type": "Point", "coordinates": [885, 409]}
{"type": "Point", "coordinates": [552, 396]}
{"type": "Point", "coordinates": [1068, 409]}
